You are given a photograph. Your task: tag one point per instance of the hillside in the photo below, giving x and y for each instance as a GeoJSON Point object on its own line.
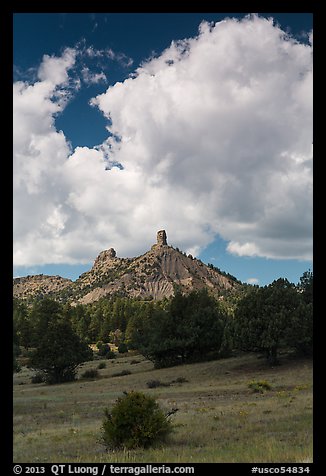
{"type": "Point", "coordinates": [38, 285]}
{"type": "Point", "coordinates": [220, 419]}
{"type": "Point", "coordinates": [153, 275]}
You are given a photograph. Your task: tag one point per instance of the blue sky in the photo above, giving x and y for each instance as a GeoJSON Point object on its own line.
{"type": "Point", "coordinates": [201, 112]}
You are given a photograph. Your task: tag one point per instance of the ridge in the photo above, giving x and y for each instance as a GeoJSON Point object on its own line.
{"type": "Point", "coordinates": [155, 275]}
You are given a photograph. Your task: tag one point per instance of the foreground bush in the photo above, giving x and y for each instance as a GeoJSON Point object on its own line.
{"type": "Point", "coordinates": [136, 420]}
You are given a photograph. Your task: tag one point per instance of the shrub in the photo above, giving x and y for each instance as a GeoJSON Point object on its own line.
{"type": "Point", "coordinates": [38, 378]}
{"type": "Point", "coordinates": [156, 383]}
{"type": "Point", "coordinates": [135, 421]}
{"type": "Point", "coordinates": [122, 373]}
{"type": "Point", "coordinates": [91, 373]}
{"type": "Point", "coordinates": [110, 354]}
{"type": "Point", "coordinates": [180, 380]}
{"type": "Point", "coordinates": [16, 366]}
{"type": "Point", "coordinates": [123, 348]}
{"type": "Point", "coordinates": [103, 349]}
{"type": "Point", "coordinates": [101, 365]}
{"type": "Point", "coordinates": [259, 386]}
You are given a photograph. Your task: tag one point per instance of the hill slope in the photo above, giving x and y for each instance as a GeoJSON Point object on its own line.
{"type": "Point", "coordinates": [220, 419]}
{"type": "Point", "coordinates": [39, 285]}
{"type": "Point", "coordinates": [153, 275]}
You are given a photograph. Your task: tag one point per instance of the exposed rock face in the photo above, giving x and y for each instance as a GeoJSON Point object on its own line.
{"type": "Point", "coordinates": [161, 238]}
{"type": "Point", "coordinates": [38, 285]}
{"type": "Point", "coordinates": [111, 253]}
{"type": "Point", "coordinates": [153, 275]}
{"type": "Point", "coordinates": [105, 257]}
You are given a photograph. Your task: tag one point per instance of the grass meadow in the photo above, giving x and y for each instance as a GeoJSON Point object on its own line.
{"type": "Point", "coordinates": [219, 419]}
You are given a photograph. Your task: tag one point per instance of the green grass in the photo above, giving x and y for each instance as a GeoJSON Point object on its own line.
{"type": "Point", "coordinates": [220, 419]}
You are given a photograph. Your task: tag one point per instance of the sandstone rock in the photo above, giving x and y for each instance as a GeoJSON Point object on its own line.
{"type": "Point", "coordinates": [111, 253]}
{"type": "Point", "coordinates": [105, 256]}
{"type": "Point", "coordinates": [153, 275]}
{"type": "Point", "coordinates": [161, 238]}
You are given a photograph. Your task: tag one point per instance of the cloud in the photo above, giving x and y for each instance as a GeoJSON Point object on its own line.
{"type": "Point", "coordinates": [213, 136]}
{"type": "Point", "coordinates": [93, 78]}
{"type": "Point", "coordinates": [39, 154]}
{"type": "Point", "coordinates": [106, 53]}
{"type": "Point", "coordinates": [225, 119]}
{"type": "Point", "coordinates": [55, 69]}
{"type": "Point", "coordinates": [252, 281]}
{"type": "Point", "coordinates": [243, 249]}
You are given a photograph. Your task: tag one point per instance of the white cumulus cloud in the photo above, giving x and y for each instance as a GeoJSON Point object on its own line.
{"type": "Point", "coordinates": [55, 69]}
{"type": "Point", "coordinates": [214, 136]}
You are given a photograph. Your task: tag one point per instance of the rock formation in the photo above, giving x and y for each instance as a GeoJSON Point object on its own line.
{"type": "Point", "coordinates": [154, 275]}
{"type": "Point", "coordinates": [161, 238]}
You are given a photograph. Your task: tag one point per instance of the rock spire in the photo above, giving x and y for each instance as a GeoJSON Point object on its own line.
{"type": "Point", "coordinates": [161, 238]}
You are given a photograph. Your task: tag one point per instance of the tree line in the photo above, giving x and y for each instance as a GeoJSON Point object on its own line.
{"type": "Point", "coordinates": [183, 329]}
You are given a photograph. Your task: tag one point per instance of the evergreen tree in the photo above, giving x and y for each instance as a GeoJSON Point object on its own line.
{"type": "Point", "coordinates": [16, 350]}
{"type": "Point", "coordinates": [189, 328]}
{"type": "Point", "coordinates": [22, 323]}
{"type": "Point", "coordinates": [82, 321]}
{"type": "Point", "coordinates": [306, 286]}
{"type": "Point", "coordinates": [301, 335]}
{"type": "Point", "coordinates": [265, 318]}
{"type": "Point", "coordinates": [44, 312]}
{"type": "Point", "coordinates": [137, 324]}
{"type": "Point", "coordinates": [96, 319]}
{"type": "Point", "coordinates": [58, 353]}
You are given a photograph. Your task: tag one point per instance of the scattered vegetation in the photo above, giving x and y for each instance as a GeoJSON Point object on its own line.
{"type": "Point", "coordinates": [259, 386]}
{"type": "Point", "coordinates": [122, 373]}
{"type": "Point", "coordinates": [39, 377]}
{"type": "Point", "coordinates": [123, 348]}
{"type": "Point", "coordinates": [104, 350]}
{"type": "Point", "coordinates": [134, 362]}
{"type": "Point", "coordinates": [90, 374]}
{"type": "Point", "coordinates": [185, 328]}
{"type": "Point", "coordinates": [217, 416]}
{"type": "Point", "coordinates": [217, 409]}
{"type": "Point", "coordinates": [101, 365]}
{"type": "Point", "coordinates": [180, 380]}
{"type": "Point", "coordinates": [156, 383]}
{"type": "Point", "coordinates": [16, 349]}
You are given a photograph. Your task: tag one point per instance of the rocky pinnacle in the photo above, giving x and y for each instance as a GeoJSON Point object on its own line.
{"type": "Point", "coordinates": [161, 237]}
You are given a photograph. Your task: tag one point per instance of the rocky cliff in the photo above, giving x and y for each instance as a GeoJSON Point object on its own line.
{"type": "Point", "coordinates": [153, 275]}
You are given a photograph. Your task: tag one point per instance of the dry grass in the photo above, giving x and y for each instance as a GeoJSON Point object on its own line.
{"type": "Point", "coordinates": [219, 419]}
